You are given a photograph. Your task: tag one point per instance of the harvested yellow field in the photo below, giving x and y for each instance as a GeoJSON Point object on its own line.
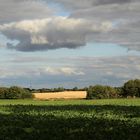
{"type": "Point", "coordinates": [61, 95]}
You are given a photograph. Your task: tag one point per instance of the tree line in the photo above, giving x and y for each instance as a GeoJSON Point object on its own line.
{"type": "Point", "coordinates": [14, 92]}
{"type": "Point", "coordinates": [130, 89]}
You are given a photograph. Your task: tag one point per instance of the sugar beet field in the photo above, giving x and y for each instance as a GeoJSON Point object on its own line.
{"type": "Point", "coordinates": [113, 119]}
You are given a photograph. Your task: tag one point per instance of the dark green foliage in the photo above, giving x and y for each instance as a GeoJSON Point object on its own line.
{"type": "Point", "coordinates": [3, 92]}
{"type": "Point", "coordinates": [101, 92]}
{"type": "Point", "coordinates": [132, 88]}
{"type": "Point", "coordinates": [75, 89]}
{"type": "Point", "coordinates": [14, 93]}
{"type": "Point", "coordinates": [26, 94]}
{"type": "Point", "coordinates": [69, 122]}
{"type": "Point", "coordinates": [119, 91]}
{"type": "Point", "coordinates": [59, 89]}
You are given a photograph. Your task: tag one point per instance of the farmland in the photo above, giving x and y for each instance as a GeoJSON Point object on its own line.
{"type": "Point", "coordinates": [109, 119]}
{"type": "Point", "coordinates": [61, 95]}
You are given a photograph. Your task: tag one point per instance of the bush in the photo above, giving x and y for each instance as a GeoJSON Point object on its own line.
{"type": "Point", "coordinates": [132, 88]}
{"type": "Point", "coordinates": [101, 92]}
{"type": "Point", "coordinates": [3, 92]}
{"type": "Point", "coordinates": [14, 93]}
{"type": "Point", "coordinates": [75, 89]}
{"type": "Point", "coordinates": [119, 91]}
{"type": "Point", "coordinates": [27, 94]}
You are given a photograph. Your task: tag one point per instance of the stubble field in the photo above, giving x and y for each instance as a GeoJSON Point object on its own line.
{"type": "Point", "coordinates": [61, 95]}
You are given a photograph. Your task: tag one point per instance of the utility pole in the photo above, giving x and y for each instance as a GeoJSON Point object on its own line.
{"type": "Point", "coordinates": [30, 84]}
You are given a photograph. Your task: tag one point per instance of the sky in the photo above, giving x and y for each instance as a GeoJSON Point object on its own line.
{"type": "Point", "coordinates": [55, 43]}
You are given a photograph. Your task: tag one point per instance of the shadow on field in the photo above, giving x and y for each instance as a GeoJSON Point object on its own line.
{"type": "Point", "coordinates": [106, 122]}
{"type": "Point", "coordinates": [126, 111]}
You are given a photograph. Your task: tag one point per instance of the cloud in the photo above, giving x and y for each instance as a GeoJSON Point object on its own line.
{"type": "Point", "coordinates": [62, 71]}
{"type": "Point", "coordinates": [112, 70]}
{"type": "Point", "coordinates": [73, 5]}
{"type": "Point", "coordinates": [83, 4]}
{"type": "Point", "coordinates": [108, 70]}
{"type": "Point", "coordinates": [17, 10]}
{"type": "Point", "coordinates": [2, 46]}
{"type": "Point", "coordinates": [10, 72]}
{"type": "Point", "coordinates": [52, 33]}
{"type": "Point", "coordinates": [100, 21]}
{"type": "Point", "coordinates": [114, 12]}
{"type": "Point", "coordinates": [126, 35]}
{"type": "Point", "coordinates": [39, 71]}
{"type": "Point", "coordinates": [125, 19]}
{"type": "Point", "coordinates": [86, 66]}
{"type": "Point", "coordinates": [79, 71]}
{"type": "Point", "coordinates": [123, 14]}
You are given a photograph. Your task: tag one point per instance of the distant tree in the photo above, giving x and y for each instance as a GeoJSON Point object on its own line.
{"type": "Point", "coordinates": [101, 92]}
{"type": "Point", "coordinates": [42, 90]}
{"type": "Point", "coordinates": [60, 89]}
{"type": "Point", "coordinates": [15, 92]}
{"type": "Point", "coordinates": [75, 89]}
{"type": "Point", "coordinates": [26, 94]}
{"type": "Point", "coordinates": [3, 92]}
{"type": "Point", "coordinates": [132, 88]}
{"type": "Point", "coordinates": [119, 91]}
{"type": "Point", "coordinates": [85, 89]}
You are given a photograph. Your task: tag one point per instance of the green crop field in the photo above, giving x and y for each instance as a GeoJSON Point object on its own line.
{"type": "Point", "coordinates": [113, 119]}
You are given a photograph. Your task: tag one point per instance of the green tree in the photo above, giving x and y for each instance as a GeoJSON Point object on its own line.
{"type": "Point", "coordinates": [3, 92]}
{"type": "Point", "coordinates": [26, 94]}
{"type": "Point", "coordinates": [15, 92]}
{"type": "Point", "coordinates": [60, 89]}
{"type": "Point", "coordinates": [101, 92]}
{"type": "Point", "coordinates": [75, 89]}
{"type": "Point", "coordinates": [132, 88]}
{"type": "Point", "coordinates": [119, 91]}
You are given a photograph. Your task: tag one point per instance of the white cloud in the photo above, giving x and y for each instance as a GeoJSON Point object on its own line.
{"type": "Point", "coordinates": [84, 71]}
{"type": "Point", "coordinates": [63, 71]}
{"type": "Point", "coordinates": [31, 71]}
{"type": "Point", "coordinates": [52, 33]}
{"type": "Point", "coordinates": [32, 23]}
